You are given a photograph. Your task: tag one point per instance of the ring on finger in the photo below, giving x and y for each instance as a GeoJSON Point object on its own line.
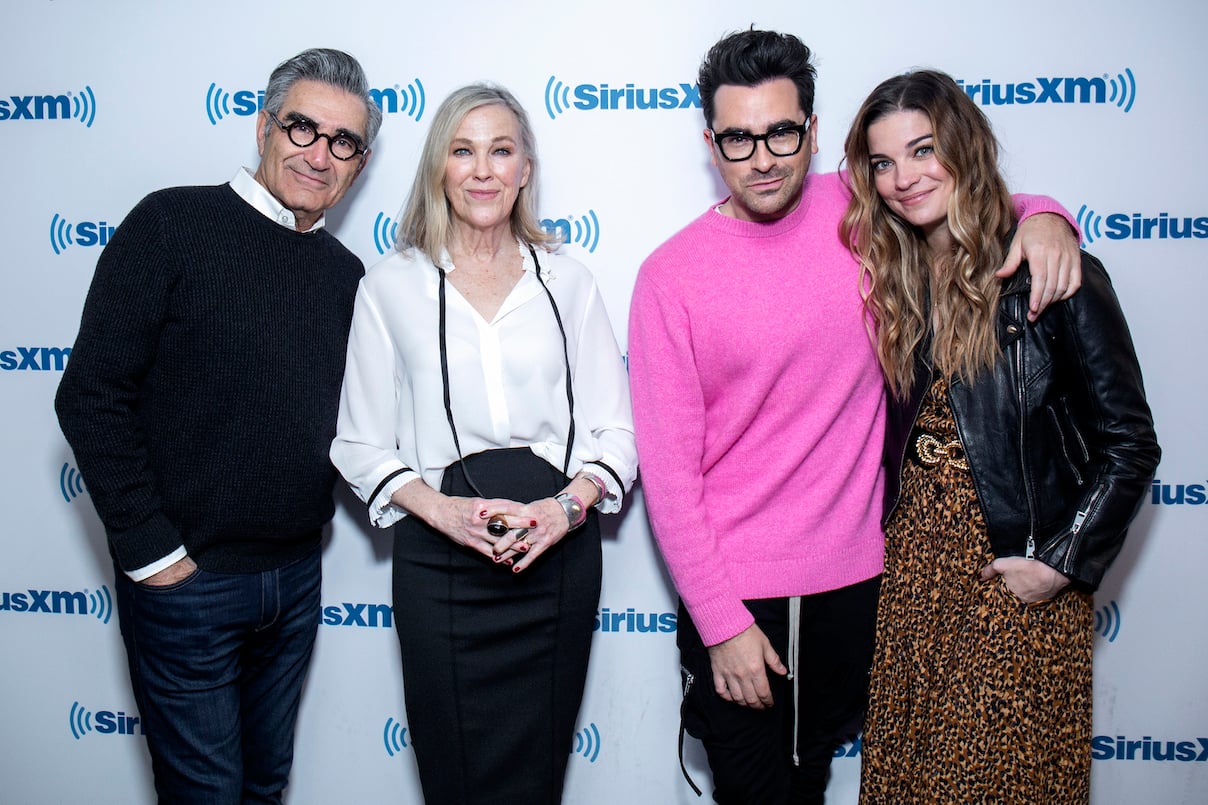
{"type": "Point", "coordinates": [497, 526]}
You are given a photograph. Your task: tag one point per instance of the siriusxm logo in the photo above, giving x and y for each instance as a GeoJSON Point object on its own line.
{"type": "Point", "coordinates": [1135, 226]}
{"type": "Point", "coordinates": [71, 483]}
{"type": "Point", "coordinates": [582, 231]}
{"type": "Point", "coordinates": [1105, 747]}
{"type": "Point", "coordinates": [1107, 621]}
{"type": "Point", "coordinates": [1161, 494]}
{"type": "Point", "coordinates": [385, 232]}
{"type": "Point", "coordinates": [98, 603]}
{"type": "Point", "coordinates": [630, 96]}
{"type": "Point", "coordinates": [84, 233]}
{"type": "Point", "coordinates": [1121, 90]}
{"type": "Point", "coordinates": [410, 100]}
{"type": "Point", "coordinates": [363, 615]}
{"type": "Point", "coordinates": [632, 621]}
{"type": "Point", "coordinates": [34, 359]}
{"type": "Point", "coordinates": [106, 722]}
{"type": "Point", "coordinates": [587, 743]}
{"type": "Point", "coordinates": [396, 738]}
{"type": "Point", "coordinates": [79, 106]}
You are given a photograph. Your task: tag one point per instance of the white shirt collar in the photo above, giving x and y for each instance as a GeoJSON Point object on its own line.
{"type": "Point", "coordinates": [247, 188]}
{"type": "Point", "coordinates": [446, 262]}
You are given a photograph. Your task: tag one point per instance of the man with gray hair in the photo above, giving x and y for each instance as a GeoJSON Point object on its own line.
{"type": "Point", "coordinates": [200, 401]}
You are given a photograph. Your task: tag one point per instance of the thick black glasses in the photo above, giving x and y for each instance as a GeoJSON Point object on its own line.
{"type": "Point", "coordinates": [737, 146]}
{"type": "Point", "coordinates": [303, 134]}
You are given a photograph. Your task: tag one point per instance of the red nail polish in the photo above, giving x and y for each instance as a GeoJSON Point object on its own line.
{"type": "Point", "coordinates": [532, 523]}
{"type": "Point", "coordinates": [482, 513]}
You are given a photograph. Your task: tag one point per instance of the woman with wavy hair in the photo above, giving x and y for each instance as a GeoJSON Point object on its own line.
{"type": "Point", "coordinates": [1018, 453]}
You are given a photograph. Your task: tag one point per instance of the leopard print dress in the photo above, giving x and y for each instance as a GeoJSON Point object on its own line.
{"type": "Point", "coordinates": [975, 696]}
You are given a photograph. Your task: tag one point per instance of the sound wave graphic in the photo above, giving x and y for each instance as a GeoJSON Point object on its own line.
{"type": "Point", "coordinates": [80, 720]}
{"type": "Point", "coordinates": [412, 100]}
{"type": "Point", "coordinates": [100, 604]}
{"type": "Point", "coordinates": [557, 97]}
{"type": "Point", "coordinates": [1107, 621]}
{"type": "Point", "coordinates": [583, 230]}
{"type": "Point", "coordinates": [60, 234]}
{"type": "Point", "coordinates": [394, 736]}
{"type": "Point", "coordinates": [83, 106]}
{"type": "Point", "coordinates": [1124, 90]}
{"type": "Point", "coordinates": [1091, 224]}
{"type": "Point", "coordinates": [71, 483]}
{"type": "Point", "coordinates": [587, 742]}
{"type": "Point", "coordinates": [385, 233]}
{"type": "Point", "coordinates": [218, 103]}
{"type": "Point", "coordinates": [587, 231]}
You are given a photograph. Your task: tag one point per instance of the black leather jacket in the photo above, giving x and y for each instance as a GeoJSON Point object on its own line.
{"type": "Point", "coordinates": [1058, 435]}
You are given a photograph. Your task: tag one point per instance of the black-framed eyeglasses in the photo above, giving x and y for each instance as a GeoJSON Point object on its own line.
{"type": "Point", "coordinates": [738, 146]}
{"type": "Point", "coordinates": [303, 134]}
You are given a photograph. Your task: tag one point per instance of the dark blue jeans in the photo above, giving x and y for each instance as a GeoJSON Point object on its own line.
{"type": "Point", "coordinates": [217, 664]}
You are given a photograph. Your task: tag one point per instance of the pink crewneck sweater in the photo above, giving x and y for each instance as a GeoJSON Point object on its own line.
{"type": "Point", "coordinates": [759, 409]}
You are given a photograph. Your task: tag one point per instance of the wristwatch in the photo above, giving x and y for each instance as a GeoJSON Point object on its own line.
{"type": "Point", "coordinates": [576, 513]}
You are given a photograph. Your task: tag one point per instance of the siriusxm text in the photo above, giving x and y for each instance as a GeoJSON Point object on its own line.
{"type": "Point", "coordinates": [602, 96]}
{"type": "Point", "coordinates": [633, 621]}
{"type": "Point", "coordinates": [1105, 747]}
{"type": "Point", "coordinates": [247, 102]}
{"type": "Point", "coordinates": [106, 722]}
{"type": "Point", "coordinates": [1163, 226]}
{"type": "Point", "coordinates": [35, 107]}
{"type": "Point", "coordinates": [50, 602]}
{"type": "Point", "coordinates": [92, 233]}
{"type": "Point", "coordinates": [34, 359]}
{"type": "Point", "coordinates": [364, 615]}
{"type": "Point", "coordinates": [1041, 90]}
{"type": "Point", "coordinates": [1161, 494]}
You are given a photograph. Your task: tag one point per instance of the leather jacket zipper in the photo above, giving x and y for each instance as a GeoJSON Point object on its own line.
{"type": "Point", "coordinates": [1030, 550]}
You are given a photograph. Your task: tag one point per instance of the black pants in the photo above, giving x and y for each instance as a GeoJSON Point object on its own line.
{"type": "Point", "coordinates": [750, 751]}
{"type": "Point", "coordinates": [494, 662]}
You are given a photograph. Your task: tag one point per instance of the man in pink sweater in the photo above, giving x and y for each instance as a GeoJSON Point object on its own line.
{"type": "Point", "coordinates": [760, 414]}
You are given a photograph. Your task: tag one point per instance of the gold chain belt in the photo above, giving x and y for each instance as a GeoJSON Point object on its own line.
{"type": "Point", "coordinates": [932, 451]}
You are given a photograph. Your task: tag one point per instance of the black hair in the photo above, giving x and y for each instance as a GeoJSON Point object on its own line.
{"type": "Point", "coordinates": [750, 58]}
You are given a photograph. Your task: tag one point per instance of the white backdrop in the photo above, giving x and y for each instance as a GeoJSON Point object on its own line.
{"type": "Point", "coordinates": [1099, 104]}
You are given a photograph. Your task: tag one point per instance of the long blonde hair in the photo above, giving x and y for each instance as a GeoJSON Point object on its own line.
{"type": "Point", "coordinates": [425, 221]}
{"type": "Point", "coordinates": [900, 288]}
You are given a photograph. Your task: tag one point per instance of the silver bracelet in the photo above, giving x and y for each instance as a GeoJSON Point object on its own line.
{"type": "Point", "coordinates": [576, 512]}
{"type": "Point", "coordinates": [601, 489]}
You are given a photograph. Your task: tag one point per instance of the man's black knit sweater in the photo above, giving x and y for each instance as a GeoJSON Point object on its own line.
{"type": "Point", "coordinates": [200, 397]}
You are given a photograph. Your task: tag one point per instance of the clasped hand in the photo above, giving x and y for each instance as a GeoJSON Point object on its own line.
{"type": "Point", "coordinates": [533, 528]}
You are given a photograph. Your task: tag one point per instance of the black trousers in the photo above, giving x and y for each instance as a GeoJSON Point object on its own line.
{"type": "Point", "coordinates": [750, 752]}
{"type": "Point", "coordinates": [494, 662]}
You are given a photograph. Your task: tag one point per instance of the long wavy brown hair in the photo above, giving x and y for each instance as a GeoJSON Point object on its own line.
{"type": "Point", "coordinates": [903, 293]}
